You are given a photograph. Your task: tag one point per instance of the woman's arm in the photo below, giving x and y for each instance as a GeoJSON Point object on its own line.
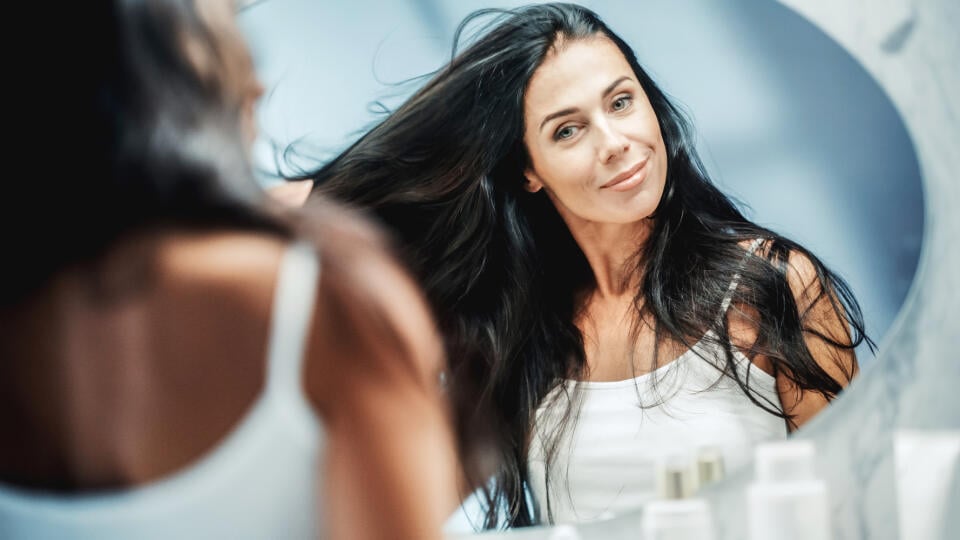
{"type": "Point", "coordinates": [391, 466]}
{"type": "Point", "coordinates": [823, 321]}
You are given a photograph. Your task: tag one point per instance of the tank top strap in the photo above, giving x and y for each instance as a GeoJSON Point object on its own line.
{"type": "Point", "coordinates": [293, 307]}
{"type": "Point", "coordinates": [728, 297]}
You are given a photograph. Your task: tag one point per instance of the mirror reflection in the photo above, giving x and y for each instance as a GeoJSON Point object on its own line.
{"type": "Point", "coordinates": [604, 295]}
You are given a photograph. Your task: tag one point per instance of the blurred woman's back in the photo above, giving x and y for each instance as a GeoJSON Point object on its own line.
{"type": "Point", "coordinates": [171, 341]}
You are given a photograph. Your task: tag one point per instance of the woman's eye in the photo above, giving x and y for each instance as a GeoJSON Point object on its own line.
{"type": "Point", "coordinates": [565, 133]}
{"type": "Point", "coordinates": [622, 103]}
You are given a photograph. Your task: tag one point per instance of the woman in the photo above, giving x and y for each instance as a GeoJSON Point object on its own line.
{"type": "Point", "coordinates": [594, 287]}
{"type": "Point", "coordinates": [182, 359]}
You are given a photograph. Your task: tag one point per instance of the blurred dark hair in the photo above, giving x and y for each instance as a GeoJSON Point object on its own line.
{"type": "Point", "coordinates": [136, 136]}
{"type": "Point", "coordinates": [445, 171]}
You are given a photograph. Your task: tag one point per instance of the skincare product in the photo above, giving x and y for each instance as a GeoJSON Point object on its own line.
{"type": "Point", "coordinates": [677, 516]}
{"type": "Point", "coordinates": [926, 463]}
{"type": "Point", "coordinates": [787, 501]}
{"type": "Point", "coordinates": [709, 466]}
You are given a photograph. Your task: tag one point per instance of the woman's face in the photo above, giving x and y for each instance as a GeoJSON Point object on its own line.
{"type": "Point", "coordinates": [593, 138]}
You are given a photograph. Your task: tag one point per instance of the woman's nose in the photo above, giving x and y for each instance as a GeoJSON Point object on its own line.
{"type": "Point", "coordinates": [613, 144]}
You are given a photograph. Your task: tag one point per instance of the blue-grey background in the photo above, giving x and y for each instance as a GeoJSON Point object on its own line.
{"type": "Point", "coordinates": [790, 124]}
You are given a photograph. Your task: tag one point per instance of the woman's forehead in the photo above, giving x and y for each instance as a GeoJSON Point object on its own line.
{"type": "Point", "coordinates": [575, 70]}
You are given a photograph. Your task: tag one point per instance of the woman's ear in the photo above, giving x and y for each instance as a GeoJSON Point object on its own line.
{"type": "Point", "coordinates": [533, 183]}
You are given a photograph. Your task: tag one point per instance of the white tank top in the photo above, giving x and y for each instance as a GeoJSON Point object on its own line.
{"type": "Point", "coordinates": [260, 482]}
{"type": "Point", "coordinates": [606, 459]}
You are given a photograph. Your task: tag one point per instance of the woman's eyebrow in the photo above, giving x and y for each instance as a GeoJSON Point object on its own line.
{"type": "Point", "coordinates": [572, 110]}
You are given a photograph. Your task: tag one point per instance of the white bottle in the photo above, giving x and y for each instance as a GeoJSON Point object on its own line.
{"type": "Point", "coordinates": [710, 467]}
{"type": "Point", "coordinates": [787, 501]}
{"type": "Point", "coordinates": [677, 516]}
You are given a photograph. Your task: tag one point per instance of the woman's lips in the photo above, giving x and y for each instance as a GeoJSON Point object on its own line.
{"type": "Point", "coordinates": [630, 178]}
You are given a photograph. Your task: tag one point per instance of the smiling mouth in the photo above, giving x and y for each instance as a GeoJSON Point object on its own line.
{"type": "Point", "coordinates": [629, 178]}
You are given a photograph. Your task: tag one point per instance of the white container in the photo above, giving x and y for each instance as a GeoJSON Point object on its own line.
{"type": "Point", "coordinates": [926, 463]}
{"type": "Point", "coordinates": [787, 501]}
{"type": "Point", "coordinates": [677, 519]}
{"type": "Point", "coordinates": [676, 477]}
{"type": "Point", "coordinates": [710, 468]}
{"type": "Point", "coordinates": [677, 516]}
{"type": "Point", "coordinates": [564, 532]}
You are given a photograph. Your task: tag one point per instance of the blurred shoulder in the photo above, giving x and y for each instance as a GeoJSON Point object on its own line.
{"type": "Point", "coordinates": [291, 193]}
{"type": "Point", "coordinates": [372, 320]}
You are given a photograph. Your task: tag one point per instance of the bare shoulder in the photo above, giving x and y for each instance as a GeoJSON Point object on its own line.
{"type": "Point", "coordinates": [238, 267]}
{"type": "Point", "coordinates": [213, 253]}
{"type": "Point", "coordinates": [372, 322]}
{"type": "Point", "coordinates": [757, 246]}
{"type": "Point", "coordinates": [292, 193]}
{"type": "Point", "coordinates": [803, 278]}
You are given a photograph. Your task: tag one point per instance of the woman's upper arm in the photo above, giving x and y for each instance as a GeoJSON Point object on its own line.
{"type": "Point", "coordinates": [826, 334]}
{"type": "Point", "coordinates": [373, 367]}
{"type": "Point", "coordinates": [373, 321]}
{"type": "Point", "coordinates": [370, 316]}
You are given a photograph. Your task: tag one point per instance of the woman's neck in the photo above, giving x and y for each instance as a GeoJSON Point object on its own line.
{"type": "Point", "coordinates": [611, 250]}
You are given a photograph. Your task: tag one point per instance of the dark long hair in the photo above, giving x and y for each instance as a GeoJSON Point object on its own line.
{"type": "Point", "coordinates": [445, 171]}
{"type": "Point", "coordinates": [151, 139]}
